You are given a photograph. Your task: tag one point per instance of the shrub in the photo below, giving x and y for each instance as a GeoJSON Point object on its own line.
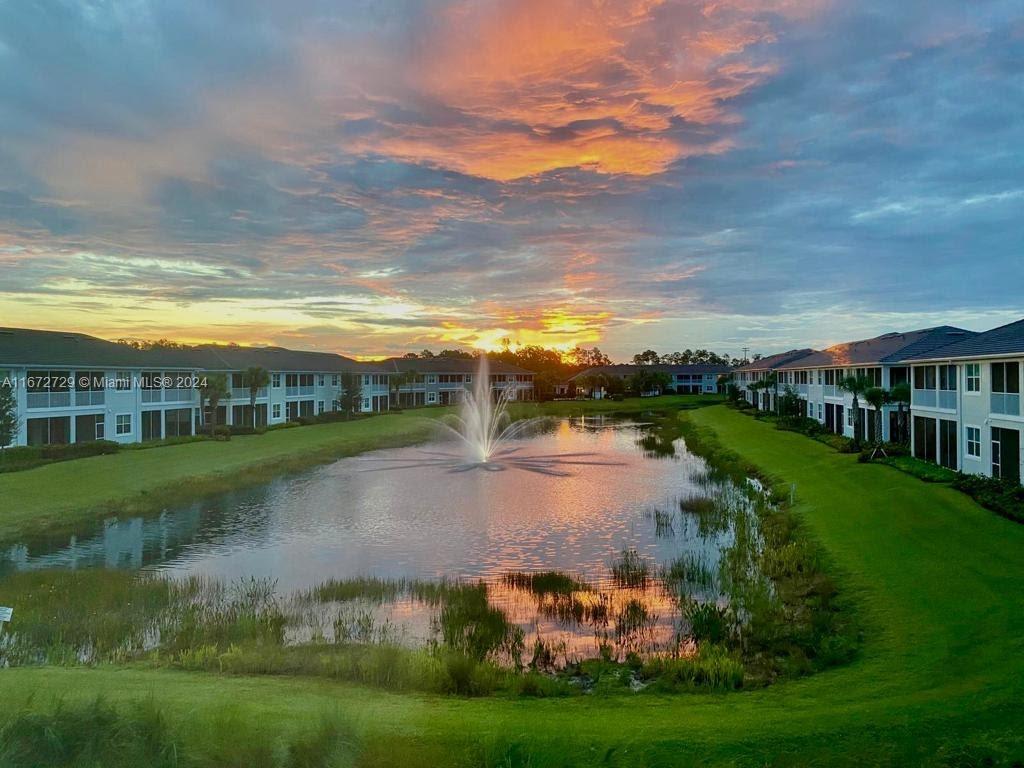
{"type": "Point", "coordinates": [1003, 498]}
{"type": "Point", "coordinates": [79, 450]}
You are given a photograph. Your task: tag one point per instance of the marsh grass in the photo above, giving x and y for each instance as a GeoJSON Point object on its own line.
{"type": "Point", "coordinates": [630, 570]}
{"type": "Point", "coordinates": [545, 582]}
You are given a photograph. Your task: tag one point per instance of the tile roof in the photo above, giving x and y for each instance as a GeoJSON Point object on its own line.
{"type": "Point", "coordinates": [1005, 340]}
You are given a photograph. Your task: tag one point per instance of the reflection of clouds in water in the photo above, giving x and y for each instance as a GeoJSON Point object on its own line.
{"type": "Point", "coordinates": [555, 464]}
{"type": "Point", "coordinates": [428, 522]}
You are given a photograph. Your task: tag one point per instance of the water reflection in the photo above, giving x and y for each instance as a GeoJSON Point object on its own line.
{"type": "Point", "coordinates": [342, 522]}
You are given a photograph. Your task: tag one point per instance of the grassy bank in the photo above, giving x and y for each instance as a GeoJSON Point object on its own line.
{"type": "Point", "coordinates": [940, 680]}
{"type": "Point", "coordinates": [58, 497]}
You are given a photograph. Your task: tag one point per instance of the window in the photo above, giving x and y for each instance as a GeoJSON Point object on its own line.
{"type": "Point", "coordinates": [275, 381]}
{"type": "Point", "coordinates": [431, 397]}
{"type": "Point", "coordinates": [366, 401]}
{"type": "Point", "coordinates": [123, 424]}
{"type": "Point", "coordinates": [319, 406]}
{"type": "Point", "coordinates": [810, 410]}
{"type": "Point", "coordinates": [123, 382]}
{"type": "Point", "coordinates": [849, 417]}
{"type": "Point", "coordinates": [819, 411]}
{"type": "Point", "coordinates": [947, 378]}
{"type": "Point", "coordinates": [320, 380]}
{"type": "Point", "coordinates": [431, 379]}
{"type": "Point", "coordinates": [334, 380]}
{"type": "Point", "coordinates": [972, 374]}
{"type": "Point", "coordinates": [924, 377]}
{"type": "Point", "coordinates": [366, 380]}
{"type": "Point", "coordinates": [973, 441]}
{"type": "Point", "coordinates": [1006, 378]}
{"type": "Point", "coordinates": [277, 411]}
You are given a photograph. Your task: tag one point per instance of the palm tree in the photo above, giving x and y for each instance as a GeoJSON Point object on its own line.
{"type": "Point", "coordinates": [877, 397]}
{"type": "Point", "coordinates": [257, 378]}
{"type": "Point", "coordinates": [900, 394]}
{"type": "Point", "coordinates": [856, 386]}
{"type": "Point", "coordinates": [212, 390]}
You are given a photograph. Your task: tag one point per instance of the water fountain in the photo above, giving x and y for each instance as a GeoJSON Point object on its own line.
{"type": "Point", "coordinates": [485, 430]}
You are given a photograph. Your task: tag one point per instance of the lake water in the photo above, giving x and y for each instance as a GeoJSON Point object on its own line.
{"type": "Point", "coordinates": [360, 517]}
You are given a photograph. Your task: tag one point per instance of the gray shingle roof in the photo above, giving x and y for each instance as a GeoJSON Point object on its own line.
{"type": "Point", "coordinates": [776, 361]}
{"type": "Point", "coordinates": [24, 346]}
{"type": "Point", "coordinates": [448, 365]}
{"type": "Point", "coordinates": [1005, 340]}
{"type": "Point", "coordinates": [887, 348]}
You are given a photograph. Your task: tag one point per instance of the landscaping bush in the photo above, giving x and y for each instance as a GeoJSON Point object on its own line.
{"type": "Point", "coordinates": [1003, 498]}
{"type": "Point", "coordinates": [801, 424]}
{"type": "Point", "coordinates": [79, 450]}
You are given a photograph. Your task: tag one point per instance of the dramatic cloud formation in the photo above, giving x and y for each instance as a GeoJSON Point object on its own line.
{"type": "Point", "coordinates": [374, 177]}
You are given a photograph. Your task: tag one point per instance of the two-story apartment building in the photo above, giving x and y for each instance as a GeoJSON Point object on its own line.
{"type": "Point", "coordinates": [689, 379]}
{"type": "Point", "coordinates": [443, 380]}
{"type": "Point", "coordinates": [751, 373]}
{"type": "Point", "coordinates": [70, 387]}
{"type": "Point", "coordinates": [966, 403]}
{"type": "Point", "coordinates": [816, 378]}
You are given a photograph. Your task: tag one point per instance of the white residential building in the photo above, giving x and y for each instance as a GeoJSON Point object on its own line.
{"type": "Point", "coordinates": [816, 378]}
{"type": "Point", "coordinates": [966, 406]}
{"type": "Point", "coordinates": [71, 387]}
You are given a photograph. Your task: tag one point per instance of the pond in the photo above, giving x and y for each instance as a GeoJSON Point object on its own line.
{"type": "Point", "coordinates": [600, 560]}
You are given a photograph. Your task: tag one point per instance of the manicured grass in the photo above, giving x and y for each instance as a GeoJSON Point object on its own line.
{"type": "Point", "coordinates": [938, 583]}
{"type": "Point", "coordinates": [61, 496]}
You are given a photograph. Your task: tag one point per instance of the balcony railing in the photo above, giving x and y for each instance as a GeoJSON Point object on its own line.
{"type": "Point", "coordinates": [801, 389]}
{"type": "Point", "coordinates": [48, 400]}
{"type": "Point", "coordinates": [923, 397]}
{"type": "Point", "coordinates": [152, 395]}
{"type": "Point", "coordinates": [242, 393]}
{"type": "Point", "coordinates": [947, 399]}
{"type": "Point", "coordinates": [91, 397]}
{"type": "Point", "coordinates": [830, 390]}
{"type": "Point", "coordinates": [1004, 403]}
{"type": "Point", "coordinates": [179, 395]}
{"type": "Point", "coordinates": [297, 391]}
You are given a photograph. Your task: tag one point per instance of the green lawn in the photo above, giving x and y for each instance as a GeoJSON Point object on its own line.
{"type": "Point", "coordinates": [62, 495]}
{"type": "Point", "coordinates": [939, 587]}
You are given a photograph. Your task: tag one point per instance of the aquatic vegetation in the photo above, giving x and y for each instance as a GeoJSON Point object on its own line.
{"type": "Point", "coordinates": [545, 582]}
{"type": "Point", "coordinates": [629, 569]}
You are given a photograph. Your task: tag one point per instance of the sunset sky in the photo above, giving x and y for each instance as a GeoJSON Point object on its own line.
{"type": "Point", "coordinates": [375, 177]}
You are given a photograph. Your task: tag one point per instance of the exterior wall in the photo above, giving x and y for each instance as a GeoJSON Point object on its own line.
{"type": "Point", "coordinates": [135, 403]}
{"type": "Point", "coordinates": [448, 388]}
{"type": "Point", "coordinates": [979, 409]}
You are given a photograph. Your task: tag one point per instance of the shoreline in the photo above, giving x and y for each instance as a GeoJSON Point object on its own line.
{"type": "Point", "coordinates": [56, 499]}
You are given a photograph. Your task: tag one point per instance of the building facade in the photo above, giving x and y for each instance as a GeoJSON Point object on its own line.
{"type": "Point", "coordinates": [966, 404]}
{"type": "Point", "coordinates": [71, 387]}
{"type": "Point", "coordinates": [419, 381]}
{"type": "Point", "coordinates": [692, 379]}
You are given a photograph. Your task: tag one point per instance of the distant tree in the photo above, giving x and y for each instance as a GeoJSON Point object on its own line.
{"type": "Point", "coordinates": [350, 395]}
{"type": "Point", "coordinates": [649, 381]}
{"type": "Point", "coordinates": [426, 354]}
{"type": "Point", "coordinates": [400, 380]}
{"type": "Point", "coordinates": [457, 354]}
{"type": "Point", "coordinates": [411, 356]}
{"type": "Point", "coordinates": [9, 421]}
{"type": "Point", "coordinates": [856, 386]}
{"type": "Point", "coordinates": [544, 384]}
{"type": "Point", "coordinates": [647, 357]}
{"type": "Point", "coordinates": [256, 378]}
{"type": "Point", "coordinates": [581, 357]}
{"type": "Point", "coordinates": [877, 397]}
{"type": "Point", "coordinates": [212, 390]}
{"type": "Point", "coordinates": [146, 344]}
{"type": "Point", "coordinates": [615, 385]}
{"type": "Point", "coordinates": [900, 394]}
